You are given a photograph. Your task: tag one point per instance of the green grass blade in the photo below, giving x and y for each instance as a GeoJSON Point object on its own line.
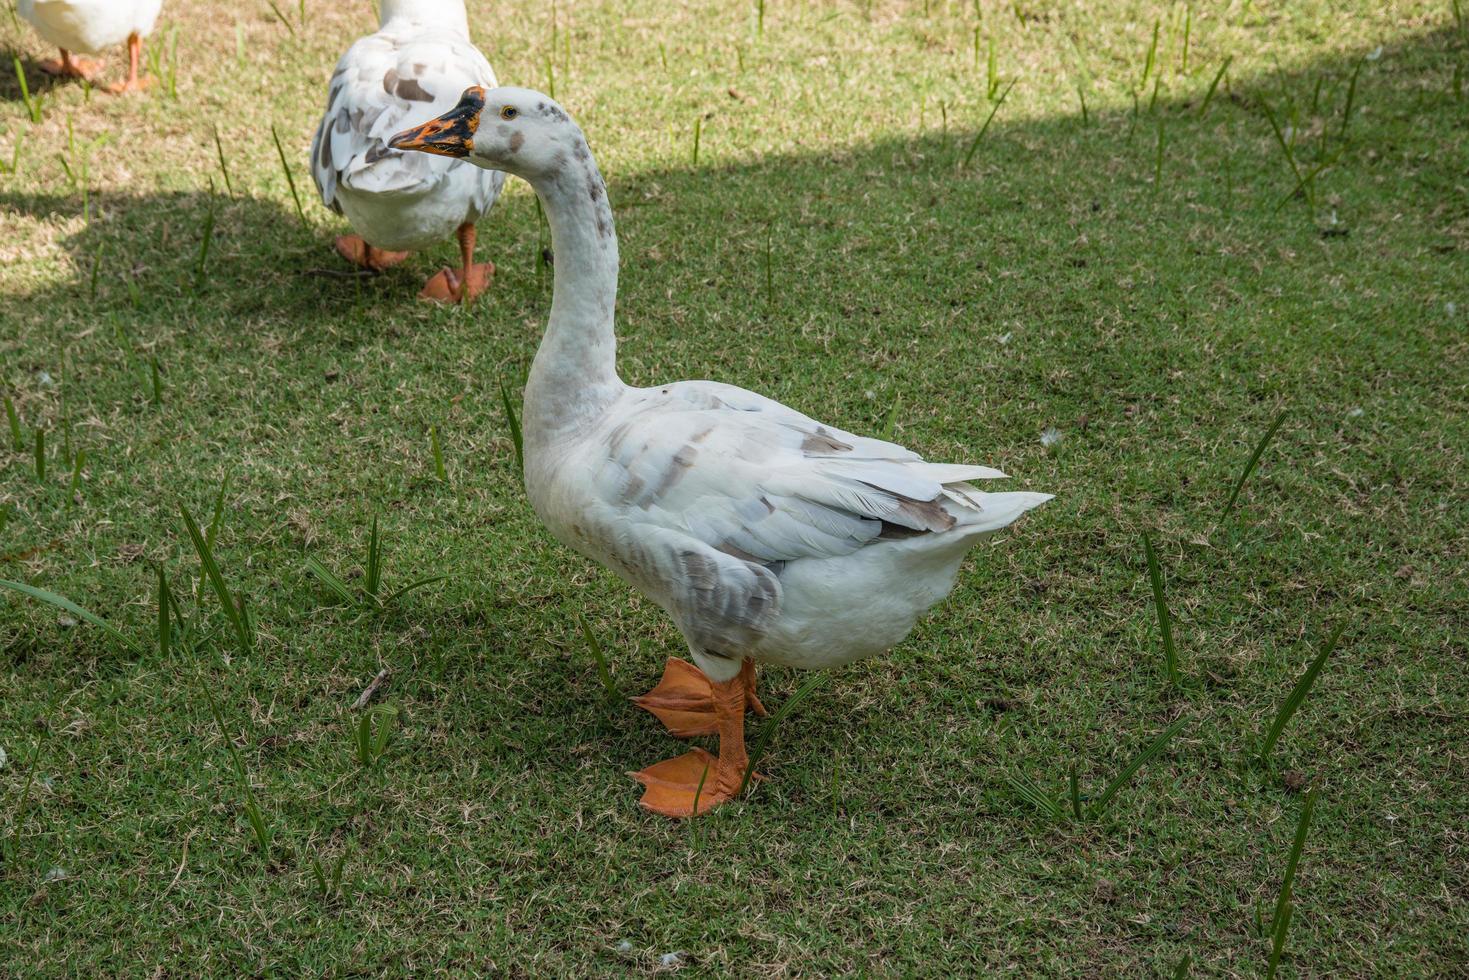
{"type": "Point", "coordinates": [374, 577]}
{"type": "Point", "coordinates": [1026, 789]}
{"type": "Point", "coordinates": [1074, 788]}
{"type": "Point", "coordinates": [329, 578]}
{"type": "Point", "coordinates": [890, 425]}
{"type": "Point", "coordinates": [252, 807]}
{"type": "Point", "coordinates": [387, 718]}
{"type": "Point", "coordinates": [63, 603]}
{"type": "Point", "coordinates": [1160, 605]}
{"type": "Point", "coordinates": [767, 731]}
{"type": "Point", "coordinates": [1298, 693]}
{"type": "Point", "coordinates": [1183, 968]}
{"type": "Point", "coordinates": [290, 177]}
{"type": "Point", "coordinates": [77, 463]}
{"type": "Point", "coordinates": [280, 16]}
{"type": "Point", "coordinates": [40, 455]}
{"type": "Point", "coordinates": [33, 106]}
{"type": "Point", "coordinates": [1346, 116]}
{"type": "Point", "coordinates": [165, 624]}
{"type": "Point", "coordinates": [412, 587]}
{"type": "Point", "coordinates": [1152, 751]}
{"type": "Point", "coordinates": [17, 434]}
{"type": "Point", "coordinates": [218, 514]}
{"type": "Point", "coordinates": [1277, 945]}
{"type": "Point", "coordinates": [988, 119]}
{"type": "Point", "coordinates": [1218, 77]}
{"type": "Point", "coordinates": [364, 740]}
{"type": "Point", "coordinates": [595, 645]}
{"type": "Point", "coordinates": [1292, 862]}
{"type": "Point", "coordinates": [513, 420]}
{"type": "Point", "coordinates": [1252, 462]}
{"type": "Point", "coordinates": [223, 167]}
{"type": "Point", "coordinates": [216, 579]}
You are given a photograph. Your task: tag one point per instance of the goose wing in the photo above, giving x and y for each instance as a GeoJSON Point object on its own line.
{"type": "Point", "coordinates": [714, 489]}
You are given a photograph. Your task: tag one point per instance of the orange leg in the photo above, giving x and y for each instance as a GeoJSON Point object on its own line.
{"type": "Point", "coordinates": [354, 249]}
{"type": "Point", "coordinates": [135, 56]}
{"type": "Point", "coordinates": [460, 285]}
{"type": "Point", "coordinates": [69, 66]}
{"type": "Point", "coordinates": [683, 699]}
{"type": "Point", "coordinates": [696, 781]}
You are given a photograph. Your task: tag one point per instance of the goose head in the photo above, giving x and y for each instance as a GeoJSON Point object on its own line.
{"type": "Point", "coordinates": [517, 130]}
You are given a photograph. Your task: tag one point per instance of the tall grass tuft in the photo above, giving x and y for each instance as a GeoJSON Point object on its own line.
{"type": "Point", "coordinates": [513, 421]}
{"type": "Point", "coordinates": [40, 455]}
{"type": "Point", "coordinates": [1160, 605]}
{"type": "Point", "coordinates": [1252, 462]}
{"type": "Point", "coordinates": [224, 169]}
{"type": "Point", "coordinates": [1346, 116]}
{"type": "Point", "coordinates": [1152, 57]}
{"type": "Point", "coordinates": [698, 132]}
{"type": "Point", "coordinates": [234, 612]}
{"type": "Point", "coordinates": [1151, 751]}
{"type": "Point", "coordinates": [253, 813]}
{"type": "Point", "coordinates": [1028, 790]}
{"type": "Point", "coordinates": [63, 603]}
{"type": "Point", "coordinates": [371, 597]}
{"type": "Point", "coordinates": [281, 17]}
{"type": "Point", "coordinates": [772, 724]}
{"type": "Point", "coordinates": [1297, 696]}
{"type": "Point", "coordinates": [1218, 77]}
{"type": "Point", "coordinates": [1284, 908]}
{"type": "Point", "coordinates": [595, 645]}
{"type": "Point", "coordinates": [77, 462]}
{"type": "Point", "coordinates": [32, 104]}
{"type": "Point", "coordinates": [373, 731]}
{"type": "Point", "coordinates": [988, 119]}
{"type": "Point", "coordinates": [290, 177]}
{"type": "Point", "coordinates": [17, 435]}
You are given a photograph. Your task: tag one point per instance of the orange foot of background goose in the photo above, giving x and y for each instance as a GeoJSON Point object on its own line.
{"type": "Point", "coordinates": [70, 66]}
{"type": "Point", "coordinates": [460, 285]}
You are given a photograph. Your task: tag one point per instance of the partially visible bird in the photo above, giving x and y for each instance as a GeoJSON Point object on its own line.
{"type": "Point", "coordinates": [89, 26]}
{"type": "Point", "coordinates": [411, 70]}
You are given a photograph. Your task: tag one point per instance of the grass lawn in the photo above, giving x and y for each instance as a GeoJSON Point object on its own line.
{"type": "Point", "coordinates": [1151, 273]}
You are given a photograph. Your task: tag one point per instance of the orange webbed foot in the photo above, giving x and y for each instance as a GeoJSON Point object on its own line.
{"type": "Point", "coordinates": [355, 249]}
{"type": "Point", "coordinates": [675, 787]}
{"type": "Point", "coordinates": [71, 67]}
{"type": "Point", "coordinates": [449, 285]}
{"type": "Point", "coordinates": [684, 702]}
{"type": "Point", "coordinates": [130, 85]}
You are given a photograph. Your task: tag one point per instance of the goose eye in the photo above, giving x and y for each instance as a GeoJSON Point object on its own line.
{"type": "Point", "coordinates": [509, 112]}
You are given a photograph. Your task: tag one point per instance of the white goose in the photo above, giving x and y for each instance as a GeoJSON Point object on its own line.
{"type": "Point", "coordinates": [411, 70]}
{"type": "Point", "coordinates": [89, 26]}
{"type": "Point", "coordinates": [767, 536]}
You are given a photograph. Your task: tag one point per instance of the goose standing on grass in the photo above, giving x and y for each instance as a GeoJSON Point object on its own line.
{"type": "Point", "coordinates": [767, 536]}
{"type": "Point", "coordinates": [90, 26]}
{"type": "Point", "coordinates": [411, 70]}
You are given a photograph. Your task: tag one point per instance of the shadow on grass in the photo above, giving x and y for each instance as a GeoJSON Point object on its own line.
{"type": "Point", "coordinates": [1055, 214]}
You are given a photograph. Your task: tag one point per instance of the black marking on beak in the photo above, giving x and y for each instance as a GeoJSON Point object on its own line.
{"type": "Point", "coordinates": [450, 135]}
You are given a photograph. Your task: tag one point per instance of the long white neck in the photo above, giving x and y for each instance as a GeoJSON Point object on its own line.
{"type": "Point", "coordinates": [574, 376]}
{"type": "Point", "coordinates": [429, 13]}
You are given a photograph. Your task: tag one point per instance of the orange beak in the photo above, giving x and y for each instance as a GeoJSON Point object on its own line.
{"type": "Point", "coordinates": [450, 135]}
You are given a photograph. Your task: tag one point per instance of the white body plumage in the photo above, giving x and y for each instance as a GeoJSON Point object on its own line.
{"type": "Point", "coordinates": [90, 26]}
{"type": "Point", "coordinates": [763, 533]}
{"type": "Point", "coordinates": [413, 69]}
